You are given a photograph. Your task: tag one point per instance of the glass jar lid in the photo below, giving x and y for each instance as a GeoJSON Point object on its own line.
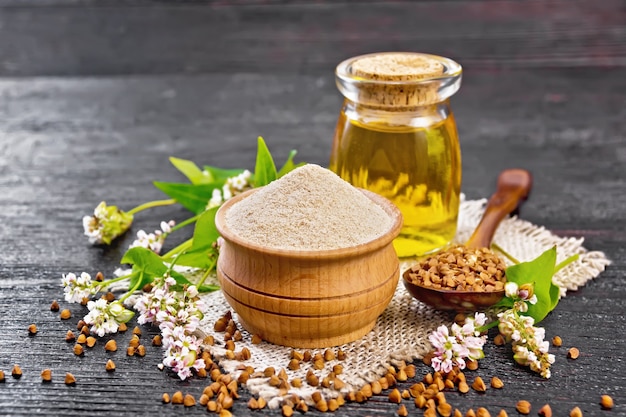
{"type": "Point", "coordinates": [398, 80]}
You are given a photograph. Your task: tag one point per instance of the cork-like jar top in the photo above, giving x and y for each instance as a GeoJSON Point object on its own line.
{"type": "Point", "coordinates": [397, 67]}
{"type": "Point", "coordinates": [398, 80]}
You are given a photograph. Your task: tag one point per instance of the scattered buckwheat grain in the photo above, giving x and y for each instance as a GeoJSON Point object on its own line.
{"type": "Point", "coordinates": [479, 385]}
{"type": "Point", "coordinates": [189, 400]}
{"type": "Point", "coordinates": [110, 366]}
{"type": "Point", "coordinates": [523, 407]}
{"type": "Point", "coordinates": [606, 402]}
{"type": "Point", "coordinates": [46, 375]}
{"type": "Point", "coordinates": [496, 382]}
{"type": "Point", "coordinates": [545, 411]}
{"type": "Point", "coordinates": [70, 379]}
{"type": "Point", "coordinates": [576, 412]}
{"type": "Point", "coordinates": [177, 397]}
{"type": "Point", "coordinates": [69, 336]}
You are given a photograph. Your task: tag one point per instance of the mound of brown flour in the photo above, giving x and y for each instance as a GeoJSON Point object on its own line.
{"type": "Point", "coordinates": [310, 208]}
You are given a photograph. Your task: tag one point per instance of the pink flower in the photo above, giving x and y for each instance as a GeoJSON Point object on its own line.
{"type": "Point", "coordinates": [178, 315]}
{"type": "Point", "coordinates": [453, 346]}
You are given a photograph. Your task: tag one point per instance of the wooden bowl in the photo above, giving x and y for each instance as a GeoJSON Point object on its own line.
{"type": "Point", "coordinates": [308, 299]}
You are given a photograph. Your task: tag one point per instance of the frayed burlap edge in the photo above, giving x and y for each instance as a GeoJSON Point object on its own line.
{"type": "Point", "coordinates": [401, 332]}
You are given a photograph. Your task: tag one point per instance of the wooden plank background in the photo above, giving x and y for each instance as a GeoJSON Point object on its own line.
{"type": "Point", "coordinates": [94, 96]}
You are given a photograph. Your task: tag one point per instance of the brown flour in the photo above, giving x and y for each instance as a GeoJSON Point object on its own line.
{"type": "Point", "coordinates": [310, 208]}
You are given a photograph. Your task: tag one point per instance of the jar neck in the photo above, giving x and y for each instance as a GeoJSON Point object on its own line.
{"type": "Point", "coordinates": [417, 116]}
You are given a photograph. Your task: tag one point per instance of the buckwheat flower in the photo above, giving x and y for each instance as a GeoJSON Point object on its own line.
{"type": "Point", "coordinates": [119, 312]}
{"type": "Point", "coordinates": [524, 293]}
{"type": "Point", "coordinates": [446, 350]}
{"type": "Point", "coordinates": [529, 348]}
{"type": "Point", "coordinates": [226, 192]}
{"type": "Point", "coordinates": [105, 318]}
{"type": "Point", "coordinates": [158, 301]}
{"type": "Point", "coordinates": [216, 199]}
{"type": "Point", "coordinates": [453, 346]}
{"type": "Point", "coordinates": [470, 336]}
{"type": "Point", "coordinates": [240, 182]}
{"type": "Point", "coordinates": [106, 224]}
{"type": "Point", "coordinates": [166, 227]}
{"type": "Point", "coordinates": [510, 289]}
{"type": "Point", "coordinates": [153, 241]}
{"type": "Point", "coordinates": [178, 314]}
{"type": "Point", "coordinates": [182, 354]}
{"type": "Point", "coordinates": [78, 288]}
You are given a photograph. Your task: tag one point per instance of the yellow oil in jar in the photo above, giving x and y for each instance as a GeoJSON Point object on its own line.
{"type": "Point", "coordinates": [418, 168]}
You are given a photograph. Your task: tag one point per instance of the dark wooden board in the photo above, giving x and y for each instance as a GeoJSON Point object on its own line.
{"type": "Point", "coordinates": [83, 120]}
{"type": "Point", "coordinates": [140, 37]}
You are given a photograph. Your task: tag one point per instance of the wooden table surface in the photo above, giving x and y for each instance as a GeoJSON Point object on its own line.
{"type": "Point", "coordinates": [95, 96]}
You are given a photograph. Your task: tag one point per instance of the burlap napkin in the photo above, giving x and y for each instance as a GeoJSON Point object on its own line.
{"type": "Point", "coordinates": [401, 333]}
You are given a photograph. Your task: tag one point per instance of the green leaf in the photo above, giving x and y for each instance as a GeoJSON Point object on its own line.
{"type": "Point", "coordinates": [538, 271]}
{"type": "Point", "coordinates": [220, 175]}
{"type": "Point", "coordinates": [148, 261]}
{"type": "Point", "coordinates": [555, 296]}
{"type": "Point", "coordinates": [202, 253]}
{"type": "Point", "coordinates": [190, 170]}
{"type": "Point", "coordinates": [289, 164]}
{"type": "Point", "coordinates": [205, 233]}
{"type": "Point", "coordinates": [147, 265]}
{"type": "Point", "coordinates": [265, 169]}
{"type": "Point", "coordinates": [193, 197]}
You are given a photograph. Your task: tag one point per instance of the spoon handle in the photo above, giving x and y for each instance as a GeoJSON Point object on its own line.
{"type": "Point", "coordinates": [513, 186]}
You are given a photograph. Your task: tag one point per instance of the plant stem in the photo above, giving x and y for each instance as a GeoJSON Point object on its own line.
{"type": "Point", "coordinates": [488, 326]}
{"type": "Point", "coordinates": [108, 282]}
{"type": "Point", "coordinates": [505, 253]}
{"type": "Point", "coordinates": [566, 262]}
{"type": "Point", "coordinates": [180, 248]}
{"type": "Point", "coordinates": [151, 204]}
{"type": "Point", "coordinates": [206, 273]}
{"type": "Point", "coordinates": [171, 265]}
{"type": "Point", "coordinates": [132, 290]}
{"type": "Point", "coordinates": [184, 223]}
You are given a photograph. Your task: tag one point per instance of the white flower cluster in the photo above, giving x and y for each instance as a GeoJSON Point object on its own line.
{"type": "Point", "coordinates": [529, 347]}
{"type": "Point", "coordinates": [178, 315]}
{"type": "Point", "coordinates": [521, 296]}
{"type": "Point", "coordinates": [453, 346]}
{"type": "Point", "coordinates": [78, 288]}
{"type": "Point", "coordinates": [106, 318]}
{"type": "Point", "coordinates": [94, 225]}
{"type": "Point", "coordinates": [233, 186]}
{"type": "Point", "coordinates": [106, 224]}
{"type": "Point", "coordinates": [153, 241]}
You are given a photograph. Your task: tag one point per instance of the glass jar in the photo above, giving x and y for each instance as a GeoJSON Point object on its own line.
{"type": "Point", "coordinates": [396, 136]}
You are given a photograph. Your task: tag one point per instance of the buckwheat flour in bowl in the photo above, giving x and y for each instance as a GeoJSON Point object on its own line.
{"type": "Point", "coordinates": [308, 260]}
{"type": "Point", "coordinates": [310, 208]}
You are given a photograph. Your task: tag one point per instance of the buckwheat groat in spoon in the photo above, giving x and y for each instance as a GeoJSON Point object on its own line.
{"type": "Point", "coordinates": [471, 277]}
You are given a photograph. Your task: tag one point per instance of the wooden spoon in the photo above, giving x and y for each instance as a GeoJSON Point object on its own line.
{"type": "Point", "coordinates": [513, 187]}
